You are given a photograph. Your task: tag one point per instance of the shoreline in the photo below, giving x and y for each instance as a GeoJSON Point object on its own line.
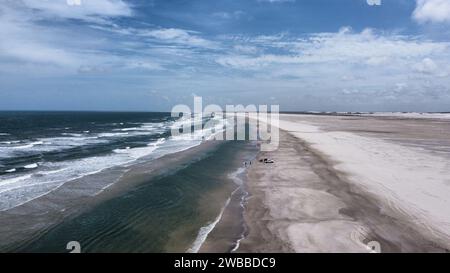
{"type": "Point", "coordinates": [231, 228]}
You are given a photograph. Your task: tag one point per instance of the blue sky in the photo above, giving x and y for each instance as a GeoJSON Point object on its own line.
{"type": "Point", "coordinates": [136, 55]}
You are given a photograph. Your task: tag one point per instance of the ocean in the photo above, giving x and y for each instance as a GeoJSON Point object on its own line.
{"type": "Point", "coordinates": [56, 169]}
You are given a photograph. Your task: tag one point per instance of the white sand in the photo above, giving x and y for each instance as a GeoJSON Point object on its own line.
{"type": "Point", "coordinates": [409, 182]}
{"type": "Point", "coordinates": [328, 237]}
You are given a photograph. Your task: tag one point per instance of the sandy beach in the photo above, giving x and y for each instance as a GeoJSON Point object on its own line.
{"type": "Point", "coordinates": [343, 183]}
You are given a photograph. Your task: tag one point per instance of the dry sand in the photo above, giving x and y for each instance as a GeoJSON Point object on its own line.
{"type": "Point", "coordinates": [339, 183]}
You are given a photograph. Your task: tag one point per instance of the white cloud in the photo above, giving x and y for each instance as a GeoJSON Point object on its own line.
{"type": "Point", "coordinates": [139, 64]}
{"type": "Point", "coordinates": [343, 47]}
{"type": "Point", "coordinates": [87, 10]}
{"type": "Point", "coordinates": [350, 91]}
{"type": "Point", "coordinates": [165, 35]}
{"type": "Point", "coordinates": [28, 41]}
{"type": "Point", "coordinates": [178, 36]}
{"type": "Point", "coordinates": [426, 66]}
{"type": "Point", "coordinates": [433, 11]}
{"type": "Point", "coordinates": [245, 49]}
{"type": "Point", "coordinates": [400, 86]}
{"type": "Point", "coordinates": [429, 67]}
{"type": "Point", "coordinates": [39, 53]}
{"type": "Point", "coordinates": [25, 41]}
{"type": "Point", "coordinates": [377, 60]}
{"type": "Point", "coordinates": [347, 67]}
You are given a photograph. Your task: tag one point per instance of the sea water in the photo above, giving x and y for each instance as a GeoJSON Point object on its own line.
{"type": "Point", "coordinates": [40, 152]}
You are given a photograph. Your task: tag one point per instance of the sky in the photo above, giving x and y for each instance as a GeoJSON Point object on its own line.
{"type": "Point", "coordinates": [150, 55]}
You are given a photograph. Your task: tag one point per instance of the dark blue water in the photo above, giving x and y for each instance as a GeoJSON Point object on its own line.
{"type": "Point", "coordinates": [39, 137]}
{"type": "Point", "coordinates": [39, 151]}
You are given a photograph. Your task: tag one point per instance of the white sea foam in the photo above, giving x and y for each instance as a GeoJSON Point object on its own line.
{"type": "Point", "coordinates": [13, 180]}
{"type": "Point", "coordinates": [158, 142]}
{"type": "Point", "coordinates": [10, 142]}
{"type": "Point", "coordinates": [112, 134]}
{"type": "Point", "coordinates": [61, 143]}
{"type": "Point", "coordinates": [22, 146]}
{"type": "Point", "coordinates": [206, 230]}
{"type": "Point", "coordinates": [17, 190]}
{"type": "Point", "coordinates": [10, 171]}
{"type": "Point", "coordinates": [29, 145]}
{"type": "Point", "coordinates": [14, 148]}
{"type": "Point", "coordinates": [139, 152]}
{"type": "Point", "coordinates": [242, 205]}
{"type": "Point", "coordinates": [72, 134]}
{"type": "Point", "coordinates": [70, 140]}
{"type": "Point", "coordinates": [127, 129]}
{"type": "Point", "coordinates": [31, 166]}
{"type": "Point", "coordinates": [236, 177]}
{"type": "Point", "coordinates": [145, 128]}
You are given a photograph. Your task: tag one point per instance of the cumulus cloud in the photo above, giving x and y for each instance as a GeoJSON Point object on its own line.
{"type": "Point", "coordinates": [432, 11]}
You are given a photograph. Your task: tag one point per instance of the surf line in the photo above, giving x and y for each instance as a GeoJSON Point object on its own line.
{"type": "Point", "coordinates": [244, 232]}
{"type": "Point", "coordinates": [206, 230]}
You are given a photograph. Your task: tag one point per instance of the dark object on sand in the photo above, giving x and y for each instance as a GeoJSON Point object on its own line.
{"type": "Point", "coordinates": [267, 161]}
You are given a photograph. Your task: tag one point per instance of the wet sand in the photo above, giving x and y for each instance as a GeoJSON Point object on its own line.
{"type": "Point", "coordinates": [309, 200]}
{"type": "Point", "coordinates": [231, 227]}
